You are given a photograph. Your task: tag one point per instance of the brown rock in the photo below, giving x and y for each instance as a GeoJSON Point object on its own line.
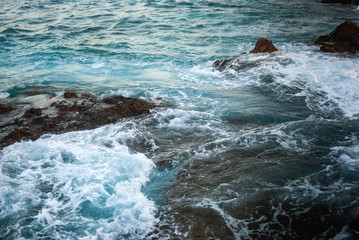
{"type": "Point", "coordinates": [352, 2]}
{"type": "Point", "coordinates": [5, 108]}
{"type": "Point", "coordinates": [344, 38]}
{"type": "Point", "coordinates": [87, 112]}
{"type": "Point", "coordinates": [32, 112]}
{"type": "Point", "coordinates": [70, 95]}
{"type": "Point", "coordinates": [264, 45]}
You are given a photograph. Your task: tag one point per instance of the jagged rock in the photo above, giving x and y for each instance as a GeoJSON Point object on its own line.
{"type": "Point", "coordinates": [263, 45]}
{"type": "Point", "coordinates": [352, 2]}
{"type": "Point", "coordinates": [69, 114]}
{"type": "Point", "coordinates": [222, 64]}
{"type": "Point", "coordinates": [344, 38]}
{"type": "Point", "coordinates": [5, 108]}
{"type": "Point", "coordinates": [70, 95]}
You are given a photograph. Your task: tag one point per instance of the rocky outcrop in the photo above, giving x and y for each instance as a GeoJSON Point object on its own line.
{"type": "Point", "coordinates": [68, 113]}
{"type": "Point", "coordinates": [352, 2]}
{"type": "Point", "coordinates": [263, 45]}
{"type": "Point", "coordinates": [344, 38]}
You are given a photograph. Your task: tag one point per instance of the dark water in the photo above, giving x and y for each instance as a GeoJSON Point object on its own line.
{"type": "Point", "coordinates": [269, 152]}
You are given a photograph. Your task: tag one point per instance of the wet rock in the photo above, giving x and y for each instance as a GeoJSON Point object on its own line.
{"type": "Point", "coordinates": [351, 2]}
{"type": "Point", "coordinates": [32, 112]}
{"type": "Point", "coordinates": [344, 38]}
{"type": "Point", "coordinates": [201, 223]}
{"type": "Point", "coordinates": [65, 114]}
{"type": "Point", "coordinates": [353, 219]}
{"type": "Point", "coordinates": [70, 95]}
{"type": "Point", "coordinates": [263, 45]}
{"type": "Point", "coordinates": [222, 64]}
{"type": "Point", "coordinates": [5, 108]}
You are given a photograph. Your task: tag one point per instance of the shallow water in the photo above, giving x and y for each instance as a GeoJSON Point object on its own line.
{"type": "Point", "coordinates": [270, 151]}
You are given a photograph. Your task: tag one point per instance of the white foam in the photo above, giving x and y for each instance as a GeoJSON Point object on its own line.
{"type": "Point", "coordinates": [348, 155]}
{"type": "Point", "coordinates": [82, 185]}
{"type": "Point", "coordinates": [4, 95]}
{"type": "Point", "coordinates": [328, 81]}
{"type": "Point", "coordinates": [98, 65]}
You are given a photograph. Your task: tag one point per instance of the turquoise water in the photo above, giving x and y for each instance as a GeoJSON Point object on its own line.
{"type": "Point", "coordinates": [271, 151]}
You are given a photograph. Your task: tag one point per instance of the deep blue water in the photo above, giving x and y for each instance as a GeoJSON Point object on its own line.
{"type": "Point", "coordinates": [269, 152]}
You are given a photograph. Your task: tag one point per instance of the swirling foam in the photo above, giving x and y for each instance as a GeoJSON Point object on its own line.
{"type": "Point", "coordinates": [82, 185]}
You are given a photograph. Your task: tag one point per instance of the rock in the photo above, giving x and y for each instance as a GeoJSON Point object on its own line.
{"type": "Point", "coordinates": [352, 2]}
{"type": "Point", "coordinates": [70, 95]}
{"type": "Point", "coordinates": [344, 38]}
{"type": "Point", "coordinates": [5, 108]}
{"type": "Point", "coordinates": [353, 219]}
{"type": "Point", "coordinates": [87, 112]}
{"type": "Point", "coordinates": [200, 223]}
{"type": "Point", "coordinates": [263, 46]}
{"type": "Point", "coordinates": [32, 112]}
{"type": "Point", "coordinates": [222, 64]}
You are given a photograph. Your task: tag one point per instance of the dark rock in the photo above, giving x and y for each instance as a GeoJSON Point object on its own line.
{"type": "Point", "coordinates": [263, 46]}
{"type": "Point", "coordinates": [87, 112]}
{"type": "Point", "coordinates": [5, 108]}
{"type": "Point", "coordinates": [352, 2]}
{"type": "Point", "coordinates": [222, 64]}
{"type": "Point", "coordinates": [88, 96]}
{"type": "Point", "coordinates": [32, 112]}
{"type": "Point", "coordinates": [202, 223]}
{"type": "Point", "coordinates": [70, 95]}
{"type": "Point", "coordinates": [344, 38]}
{"type": "Point", "coordinates": [353, 219]}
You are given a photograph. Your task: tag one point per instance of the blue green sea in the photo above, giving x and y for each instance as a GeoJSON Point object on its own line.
{"type": "Point", "coordinates": [267, 152]}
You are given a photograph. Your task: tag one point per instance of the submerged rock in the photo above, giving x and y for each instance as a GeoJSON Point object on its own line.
{"type": "Point", "coordinates": [352, 2]}
{"type": "Point", "coordinates": [263, 45]}
{"type": "Point", "coordinates": [71, 113]}
{"type": "Point", "coordinates": [344, 38]}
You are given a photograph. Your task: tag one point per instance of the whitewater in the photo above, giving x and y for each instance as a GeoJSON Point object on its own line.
{"type": "Point", "coordinates": [267, 152]}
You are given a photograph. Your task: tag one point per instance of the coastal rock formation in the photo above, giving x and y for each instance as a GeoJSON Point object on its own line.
{"type": "Point", "coordinates": [352, 2]}
{"type": "Point", "coordinates": [68, 113]}
{"type": "Point", "coordinates": [263, 45]}
{"type": "Point", "coordinates": [344, 38]}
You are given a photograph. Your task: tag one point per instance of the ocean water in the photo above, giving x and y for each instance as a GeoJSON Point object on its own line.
{"type": "Point", "coordinates": [267, 152]}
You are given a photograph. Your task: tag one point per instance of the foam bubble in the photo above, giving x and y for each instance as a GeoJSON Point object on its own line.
{"type": "Point", "coordinates": [82, 185]}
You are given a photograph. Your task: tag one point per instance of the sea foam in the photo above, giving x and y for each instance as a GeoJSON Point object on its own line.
{"type": "Point", "coordinates": [75, 185]}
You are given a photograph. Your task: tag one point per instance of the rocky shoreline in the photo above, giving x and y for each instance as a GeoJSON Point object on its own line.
{"type": "Point", "coordinates": [65, 113]}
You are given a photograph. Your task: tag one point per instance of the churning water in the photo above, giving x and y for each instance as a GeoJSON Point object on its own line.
{"type": "Point", "coordinates": [267, 152]}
